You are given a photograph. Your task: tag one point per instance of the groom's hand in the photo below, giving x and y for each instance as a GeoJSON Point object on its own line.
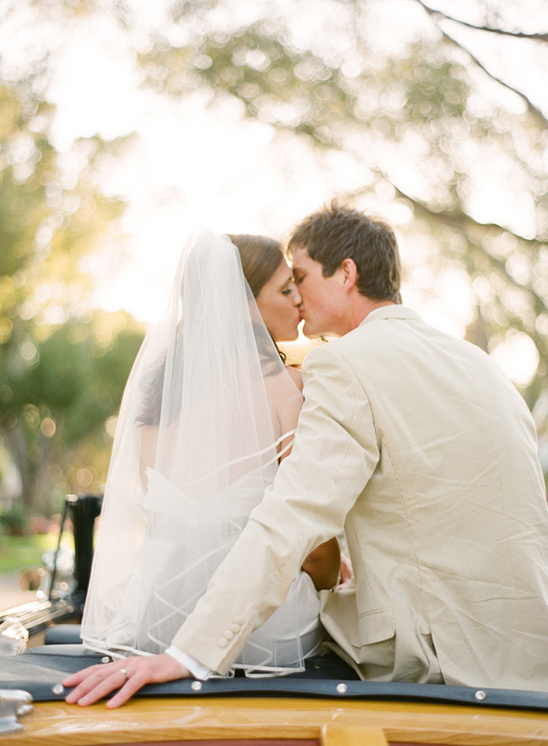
{"type": "Point", "coordinates": [127, 675]}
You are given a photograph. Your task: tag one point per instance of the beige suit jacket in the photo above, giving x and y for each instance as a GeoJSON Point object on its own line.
{"type": "Point", "coordinates": [418, 445]}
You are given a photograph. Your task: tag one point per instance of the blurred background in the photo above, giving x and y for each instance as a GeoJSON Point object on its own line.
{"type": "Point", "coordinates": [127, 124]}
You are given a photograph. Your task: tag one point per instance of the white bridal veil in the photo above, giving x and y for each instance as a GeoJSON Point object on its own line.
{"type": "Point", "coordinates": [207, 408]}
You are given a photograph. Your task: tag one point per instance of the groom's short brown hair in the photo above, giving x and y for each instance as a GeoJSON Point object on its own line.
{"type": "Point", "coordinates": [338, 232]}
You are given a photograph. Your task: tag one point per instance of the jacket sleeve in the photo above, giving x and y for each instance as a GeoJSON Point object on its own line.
{"type": "Point", "coordinates": [334, 454]}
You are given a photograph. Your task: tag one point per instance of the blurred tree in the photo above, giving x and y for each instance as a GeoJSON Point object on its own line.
{"type": "Point", "coordinates": [421, 115]}
{"type": "Point", "coordinates": [439, 114]}
{"type": "Point", "coordinates": [62, 368]}
{"type": "Point", "coordinates": [57, 397]}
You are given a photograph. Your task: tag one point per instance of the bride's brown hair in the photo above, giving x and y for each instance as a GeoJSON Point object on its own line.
{"type": "Point", "coordinates": [261, 256]}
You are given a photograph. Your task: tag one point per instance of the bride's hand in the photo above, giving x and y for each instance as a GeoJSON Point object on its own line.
{"type": "Point", "coordinates": [347, 572]}
{"type": "Point", "coordinates": [128, 675]}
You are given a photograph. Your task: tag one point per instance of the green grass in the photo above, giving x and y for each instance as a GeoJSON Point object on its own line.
{"type": "Point", "coordinates": [18, 552]}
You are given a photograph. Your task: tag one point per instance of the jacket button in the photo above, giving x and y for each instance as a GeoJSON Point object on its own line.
{"type": "Point", "coordinates": [223, 642]}
{"type": "Point", "coordinates": [234, 629]}
{"type": "Point", "coordinates": [239, 620]}
{"type": "Point", "coordinates": [229, 634]}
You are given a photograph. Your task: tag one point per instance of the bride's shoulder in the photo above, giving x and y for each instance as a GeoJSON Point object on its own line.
{"type": "Point", "coordinates": [296, 376]}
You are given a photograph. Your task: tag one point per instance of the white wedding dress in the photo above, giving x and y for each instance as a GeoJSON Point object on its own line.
{"type": "Point", "coordinates": [206, 411]}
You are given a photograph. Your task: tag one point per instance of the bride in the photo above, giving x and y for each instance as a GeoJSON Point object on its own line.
{"type": "Point", "coordinates": [208, 413]}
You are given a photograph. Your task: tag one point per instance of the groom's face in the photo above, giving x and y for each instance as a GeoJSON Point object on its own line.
{"type": "Point", "coordinates": [324, 302]}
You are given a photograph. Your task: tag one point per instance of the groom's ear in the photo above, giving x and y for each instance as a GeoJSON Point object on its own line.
{"type": "Point", "coordinates": [350, 273]}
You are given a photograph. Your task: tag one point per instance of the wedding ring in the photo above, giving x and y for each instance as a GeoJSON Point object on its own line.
{"type": "Point", "coordinates": [124, 673]}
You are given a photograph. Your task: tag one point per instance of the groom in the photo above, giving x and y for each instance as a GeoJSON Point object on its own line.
{"type": "Point", "coordinates": [418, 446]}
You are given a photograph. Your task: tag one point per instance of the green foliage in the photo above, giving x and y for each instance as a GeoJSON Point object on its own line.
{"type": "Point", "coordinates": [62, 371]}
{"type": "Point", "coordinates": [18, 552]}
{"type": "Point", "coordinates": [62, 396]}
{"type": "Point", "coordinates": [276, 82]}
{"type": "Point", "coordinates": [423, 120]}
{"type": "Point", "coordinates": [13, 520]}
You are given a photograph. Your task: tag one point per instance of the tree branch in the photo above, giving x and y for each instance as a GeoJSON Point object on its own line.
{"type": "Point", "coordinates": [460, 219]}
{"type": "Point", "coordinates": [455, 219]}
{"type": "Point", "coordinates": [488, 29]}
{"type": "Point", "coordinates": [437, 15]}
{"type": "Point", "coordinates": [534, 110]}
{"type": "Point", "coordinates": [463, 222]}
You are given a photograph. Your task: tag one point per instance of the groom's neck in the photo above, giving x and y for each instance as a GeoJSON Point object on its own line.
{"type": "Point", "coordinates": [360, 309]}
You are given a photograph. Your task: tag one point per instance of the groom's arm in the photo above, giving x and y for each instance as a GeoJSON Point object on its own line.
{"type": "Point", "coordinates": [334, 454]}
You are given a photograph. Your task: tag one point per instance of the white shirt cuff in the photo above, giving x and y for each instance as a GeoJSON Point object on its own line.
{"type": "Point", "coordinates": [198, 670]}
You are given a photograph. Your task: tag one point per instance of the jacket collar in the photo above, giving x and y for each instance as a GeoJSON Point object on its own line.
{"type": "Point", "coordinates": [391, 312]}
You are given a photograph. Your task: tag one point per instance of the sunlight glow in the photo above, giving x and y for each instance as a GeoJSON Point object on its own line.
{"type": "Point", "coordinates": [196, 162]}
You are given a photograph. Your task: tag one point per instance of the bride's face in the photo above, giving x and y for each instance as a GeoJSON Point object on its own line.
{"type": "Point", "coordinates": [278, 303]}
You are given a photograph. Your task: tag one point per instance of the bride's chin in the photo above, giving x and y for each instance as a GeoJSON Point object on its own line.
{"type": "Point", "coordinates": [293, 337]}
